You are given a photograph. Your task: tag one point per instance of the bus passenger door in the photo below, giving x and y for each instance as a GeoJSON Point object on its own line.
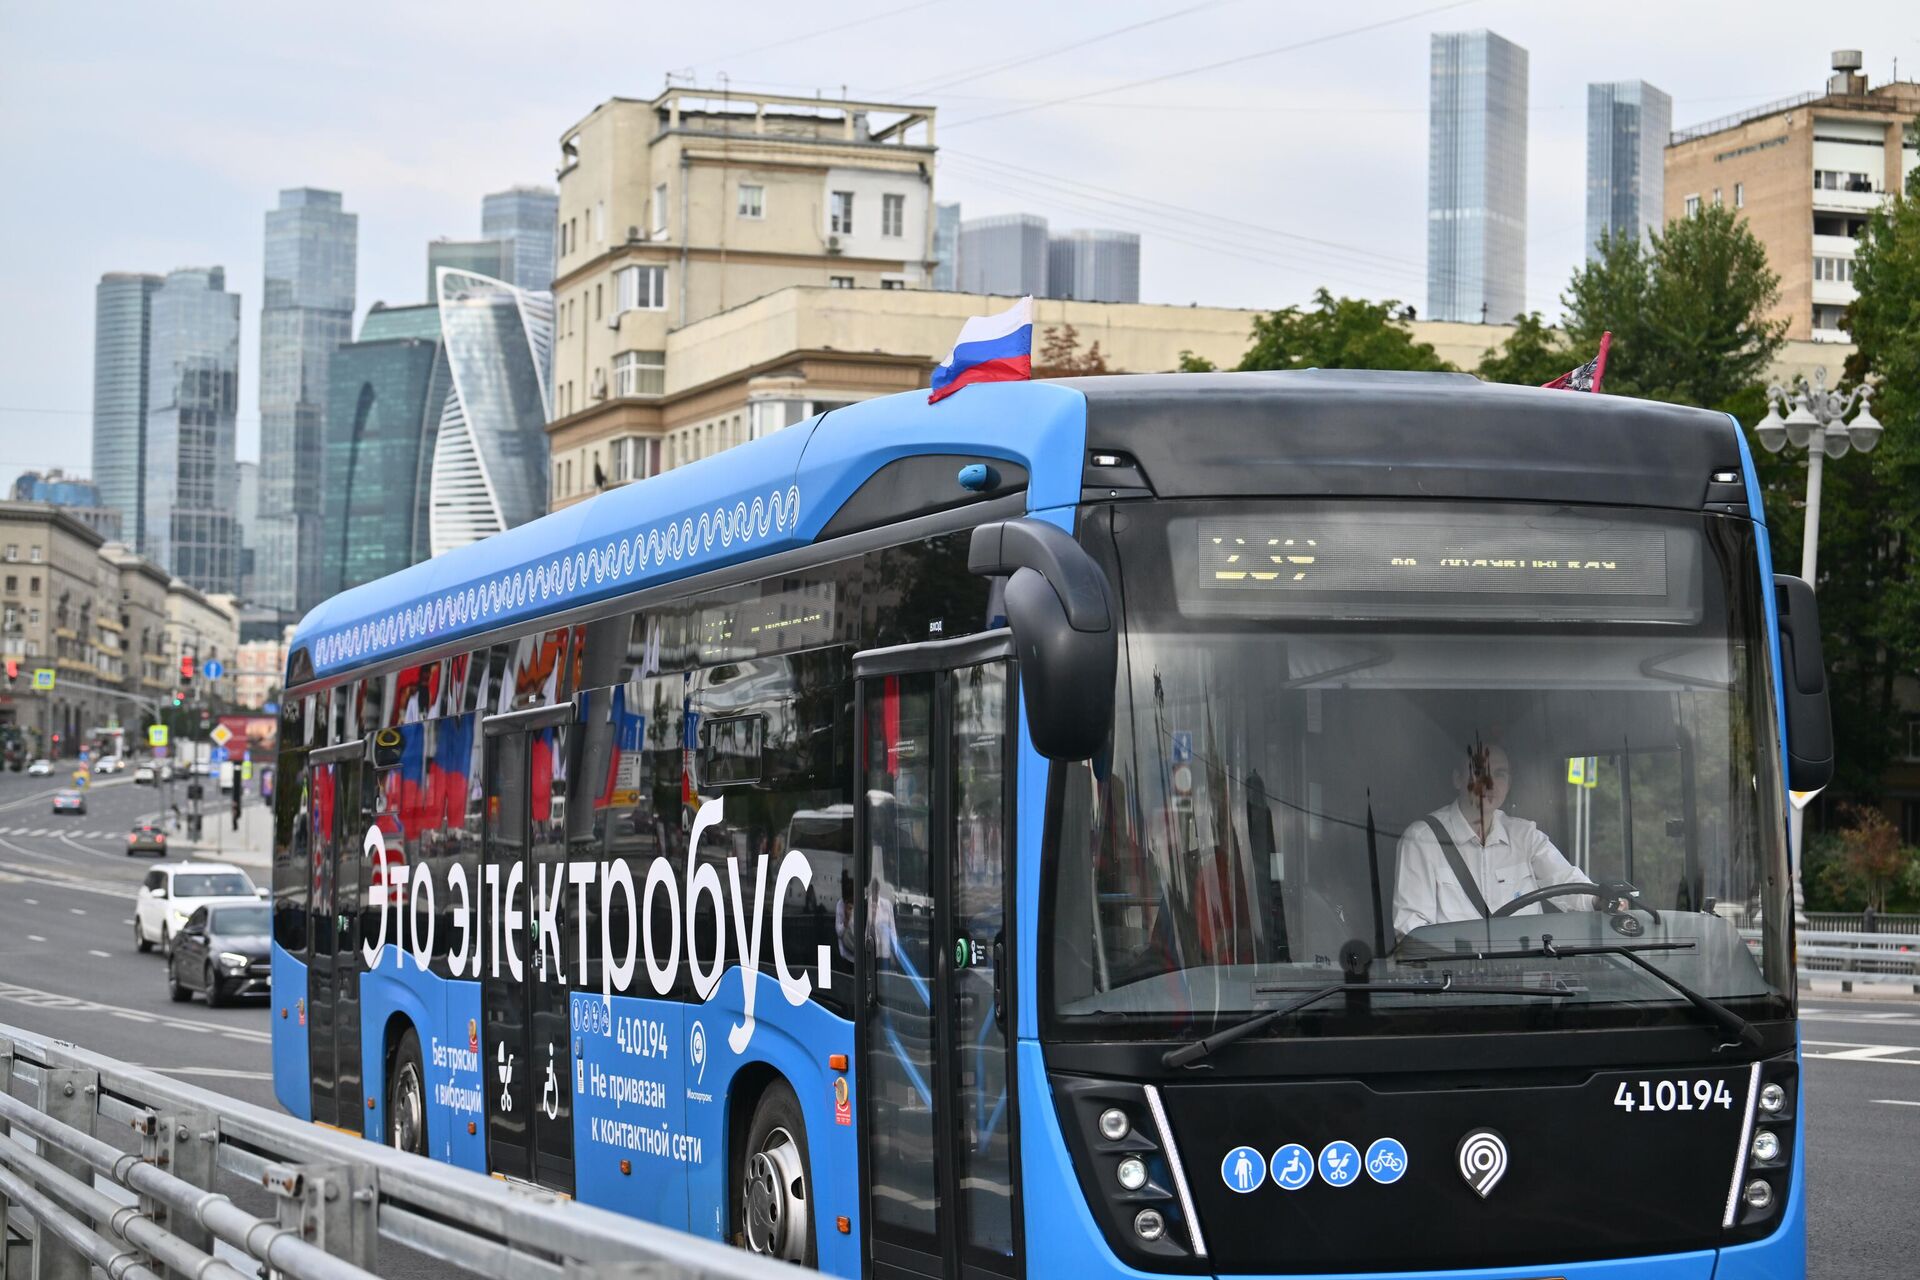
{"type": "Point", "coordinates": [527, 1049]}
{"type": "Point", "coordinates": [937, 824]}
{"type": "Point", "coordinates": [333, 970]}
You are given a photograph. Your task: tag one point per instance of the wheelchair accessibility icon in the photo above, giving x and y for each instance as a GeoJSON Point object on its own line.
{"type": "Point", "coordinates": [1386, 1160]}
{"type": "Point", "coordinates": [1292, 1167]}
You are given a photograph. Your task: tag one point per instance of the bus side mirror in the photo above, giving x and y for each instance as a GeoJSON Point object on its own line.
{"type": "Point", "coordinates": [1804, 685]}
{"type": "Point", "coordinates": [1064, 630]}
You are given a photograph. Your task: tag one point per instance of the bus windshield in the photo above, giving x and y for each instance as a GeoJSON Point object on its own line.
{"type": "Point", "coordinates": [1424, 743]}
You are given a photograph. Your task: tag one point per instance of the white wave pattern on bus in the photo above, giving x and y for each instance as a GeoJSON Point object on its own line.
{"type": "Point", "coordinates": [565, 575]}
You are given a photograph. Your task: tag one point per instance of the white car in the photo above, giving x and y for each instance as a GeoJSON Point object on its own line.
{"type": "Point", "coordinates": [41, 769]}
{"type": "Point", "coordinates": [143, 774]}
{"type": "Point", "coordinates": [109, 764]}
{"type": "Point", "coordinates": [170, 894]}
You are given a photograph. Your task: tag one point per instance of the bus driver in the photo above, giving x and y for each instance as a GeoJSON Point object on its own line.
{"type": "Point", "coordinates": [1501, 857]}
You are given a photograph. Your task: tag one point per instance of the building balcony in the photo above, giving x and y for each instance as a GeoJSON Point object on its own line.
{"type": "Point", "coordinates": [1838, 293]}
{"type": "Point", "coordinates": [1825, 201]}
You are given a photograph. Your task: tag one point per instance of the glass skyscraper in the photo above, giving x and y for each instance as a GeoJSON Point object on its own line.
{"type": "Point", "coordinates": [1004, 254]}
{"type": "Point", "coordinates": [1476, 178]}
{"type": "Point", "coordinates": [192, 398]}
{"type": "Point", "coordinates": [1094, 266]}
{"type": "Point", "coordinates": [524, 218]}
{"type": "Point", "coordinates": [490, 455]}
{"type": "Point", "coordinates": [122, 330]}
{"type": "Point", "coordinates": [946, 247]}
{"type": "Point", "coordinates": [1627, 126]}
{"type": "Point", "coordinates": [388, 392]}
{"type": "Point", "coordinates": [490, 258]}
{"type": "Point", "coordinates": [306, 313]}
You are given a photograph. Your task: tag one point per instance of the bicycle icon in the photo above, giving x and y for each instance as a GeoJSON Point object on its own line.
{"type": "Point", "coordinates": [1386, 1160]}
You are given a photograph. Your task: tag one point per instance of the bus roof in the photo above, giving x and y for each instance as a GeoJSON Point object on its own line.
{"type": "Point", "coordinates": [1311, 433]}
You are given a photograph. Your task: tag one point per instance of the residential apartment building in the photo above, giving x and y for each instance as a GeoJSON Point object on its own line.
{"type": "Point", "coordinates": [122, 344]}
{"type": "Point", "coordinates": [59, 611]}
{"type": "Point", "coordinates": [1476, 178]}
{"type": "Point", "coordinates": [77, 496]}
{"type": "Point", "coordinates": [1806, 172]}
{"type": "Point", "coordinates": [150, 670]}
{"type": "Point", "coordinates": [677, 209]}
{"type": "Point", "coordinates": [207, 626]}
{"type": "Point", "coordinates": [1627, 126]}
{"type": "Point", "coordinates": [312, 247]}
{"type": "Point", "coordinates": [259, 672]}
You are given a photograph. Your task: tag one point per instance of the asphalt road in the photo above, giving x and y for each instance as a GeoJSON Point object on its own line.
{"type": "Point", "coordinates": [68, 968]}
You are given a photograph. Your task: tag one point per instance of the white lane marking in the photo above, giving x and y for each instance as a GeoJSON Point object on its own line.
{"type": "Point", "coordinates": [222, 1073]}
{"type": "Point", "coordinates": [42, 831]}
{"type": "Point", "coordinates": [128, 920]}
{"type": "Point", "coordinates": [102, 954]}
{"type": "Point", "coordinates": [1848, 1051]}
{"type": "Point", "coordinates": [1898, 1102]}
{"type": "Point", "coordinates": [78, 911]}
{"type": "Point", "coordinates": [55, 1000]}
{"type": "Point", "coordinates": [34, 937]}
{"type": "Point", "coordinates": [32, 902]}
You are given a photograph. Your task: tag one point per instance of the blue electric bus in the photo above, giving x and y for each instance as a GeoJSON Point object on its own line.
{"type": "Point", "coordinates": [1243, 824]}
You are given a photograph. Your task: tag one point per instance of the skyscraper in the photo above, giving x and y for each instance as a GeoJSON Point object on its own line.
{"type": "Point", "coordinates": [122, 326]}
{"type": "Point", "coordinates": [306, 312]}
{"type": "Point", "coordinates": [1476, 178]}
{"type": "Point", "coordinates": [490, 456]}
{"type": "Point", "coordinates": [490, 258]}
{"type": "Point", "coordinates": [383, 419]}
{"type": "Point", "coordinates": [946, 247]}
{"type": "Point", "coordinates": [1004, 254]}
{"type": "Point", "coordinates": [1094, 266]}
{"type": "Point", "coordinates": [525, 218]}
{"type": "Point", "coordinates": [192, 397]}
{"type": "Point", "coordinates": [246, 517]}
{"type": "Point", "coordinates": [1627, 126]}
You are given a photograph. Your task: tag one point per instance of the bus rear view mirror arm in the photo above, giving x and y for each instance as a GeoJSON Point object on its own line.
{"type": "Point", "coordinates": [1803, 675]}
{"type": "Point", "coordinates": [1064, 629]}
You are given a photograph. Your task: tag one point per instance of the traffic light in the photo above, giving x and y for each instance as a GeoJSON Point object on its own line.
{"type": "Point", "coordinates": [186, 666]}
{"type": "Point", "coordinates": [177, 698]}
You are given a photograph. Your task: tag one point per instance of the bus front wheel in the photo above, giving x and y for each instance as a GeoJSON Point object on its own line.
{"type": "Point", "coordinates": [407, 1098]}
{"type": "Point", "coordinates": [775, 1207]}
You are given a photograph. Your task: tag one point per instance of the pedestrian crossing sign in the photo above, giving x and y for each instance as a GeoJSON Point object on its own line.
{"type": "Point", "coordinates": [1583, 771]}
{"type": "Point", "coordinates": [43, 677]}
{"type": "Point", "coordinates": [156, 735]}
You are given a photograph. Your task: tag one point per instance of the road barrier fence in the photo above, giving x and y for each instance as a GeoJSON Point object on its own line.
{"type": "Point", "coordinates": [125, 1171]}
{"type": "Point", "coordinates": [1874, 959]}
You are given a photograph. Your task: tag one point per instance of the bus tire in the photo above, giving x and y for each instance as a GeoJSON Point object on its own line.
{"type": "Point", "coordinates": [407, 1098]}
{"type": "Point", "coordinates": [774, 1182]}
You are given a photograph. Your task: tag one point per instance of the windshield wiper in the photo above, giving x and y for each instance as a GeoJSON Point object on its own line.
{"type": "Point", "coordinates": [1725, 1017]}
{"type": "Point", "coordinates": [1188, 1054]}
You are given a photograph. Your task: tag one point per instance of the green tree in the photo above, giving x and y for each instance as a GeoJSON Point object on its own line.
{"type": "Point", "coordinates": [1191, 363]}
{"type": "Point", "coordinates": [1688, 312]}
{"type": "Point", "coordinates": [1870, 863]}
{"type": "Point", "coordinates": [1338, 333]}
{"type": "Point", "coordinates": [1531, 356]}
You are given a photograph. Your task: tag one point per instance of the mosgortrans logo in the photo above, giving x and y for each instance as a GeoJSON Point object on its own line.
{"type": "Point", "coordinates": [486, 920]}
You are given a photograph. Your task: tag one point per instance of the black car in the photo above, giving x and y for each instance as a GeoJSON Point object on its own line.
{"type": "Point", "coordinates": [147, 837]}
{"type": "Point", "coordinates": [224, 952]}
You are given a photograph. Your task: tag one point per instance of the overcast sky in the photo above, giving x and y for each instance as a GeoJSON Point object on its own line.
{"type": "Point", "coordinates": [1283, 145]}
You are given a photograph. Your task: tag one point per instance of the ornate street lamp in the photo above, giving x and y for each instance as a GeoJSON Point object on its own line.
{"type": "Point", "coordinates": [1815, 421]}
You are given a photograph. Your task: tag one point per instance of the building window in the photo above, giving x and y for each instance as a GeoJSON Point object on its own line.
{"type": "Point", "coordinates": [840, 282]}
{"type": "Point", "coordinates": [893, 215]}
{"type": "Point", "coordinates": [596, 301]}
{"type": "Point", "coordinates": [1839, 270]}
{"type": "Point", "coordinates": [660, 209]}
{"type": "Point", "coordinates": [632, 458]}
{"type": "Point", "coordinates": [752, 200]}
{"type": "Point", "coordinates": [841, 222]}
{"type": "Point", "coordinates": [558, 471]}
{"type": "Point", "coordinates": [13, 584]}
{"type": "Point", "coordinates": [13, 552]}
{"type": "Point", "coordinates": [33, 617]}
{"type": "Point", "coordinates": [642, 288]}
{"type": "Point", "coordinates": [1717, 201]}
{"type": "Point", "coordinates": [892, 282]}
{"type": "Point", "coordinates": [1693, 206]}
{"type": "Point", "coordinates": [640, 373]}
{"type": "Point", "coordinates": [1828, 318]}
{"type": "Point", "coordinates": [33, 554]}
{"type": "Point", "coordinates": [1739, 195]}
{"type": "Point", "coordinates": [33, 583]}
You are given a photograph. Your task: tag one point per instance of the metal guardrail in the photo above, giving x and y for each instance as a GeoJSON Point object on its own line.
{"type": "Point", "coordinates": [1871, 958]}
{"type": "Point", "coordinates": [1856, 922]}
{"type": "Point", "coordinates": [109, 1167]}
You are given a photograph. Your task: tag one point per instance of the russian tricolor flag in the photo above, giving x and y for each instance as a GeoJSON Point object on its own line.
{"type": "Point", "coordinates": [991, 349]}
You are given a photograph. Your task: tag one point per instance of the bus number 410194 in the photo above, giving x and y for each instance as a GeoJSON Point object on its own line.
{"type": "Point", "coordinates": [1673, 1095]}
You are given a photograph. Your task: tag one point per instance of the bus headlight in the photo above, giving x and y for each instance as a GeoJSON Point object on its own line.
{"type": "Point", "coordinates": [1773, 1099]}
{"type": "Point", "coordinates": [1132, 1173]}
{"type": "Point", "coordinates": [1114, 1125]}
{"type": "Point", "coordinates": [1150, 1225]}
{"type": "Point", "coordinates": [1759, 1194]}
{"type": "Point", "coordinates": [1766, 1146]}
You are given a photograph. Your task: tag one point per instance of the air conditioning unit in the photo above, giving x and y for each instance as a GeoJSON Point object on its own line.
{"type": "Point", "coordinates": [636, 236]}
{"type": "Point", "coordinates": [833, 244]}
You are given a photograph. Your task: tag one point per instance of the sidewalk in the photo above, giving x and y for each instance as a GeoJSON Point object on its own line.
{"type": "Point", "coordinates": [251, 846]}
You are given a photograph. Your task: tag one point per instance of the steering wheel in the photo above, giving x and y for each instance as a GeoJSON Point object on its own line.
{"type": "Point", "coordinates": [1617, 891]}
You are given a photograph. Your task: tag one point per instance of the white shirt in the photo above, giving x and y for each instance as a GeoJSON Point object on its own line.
{"type": "Point", "coordinates": [1515, 858]}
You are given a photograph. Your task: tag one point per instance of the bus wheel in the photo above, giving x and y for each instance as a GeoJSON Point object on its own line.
{"type": "Point", "coordinates": [407, 1099]}
{"type": "Point", "coordinates": [776, 1186]}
